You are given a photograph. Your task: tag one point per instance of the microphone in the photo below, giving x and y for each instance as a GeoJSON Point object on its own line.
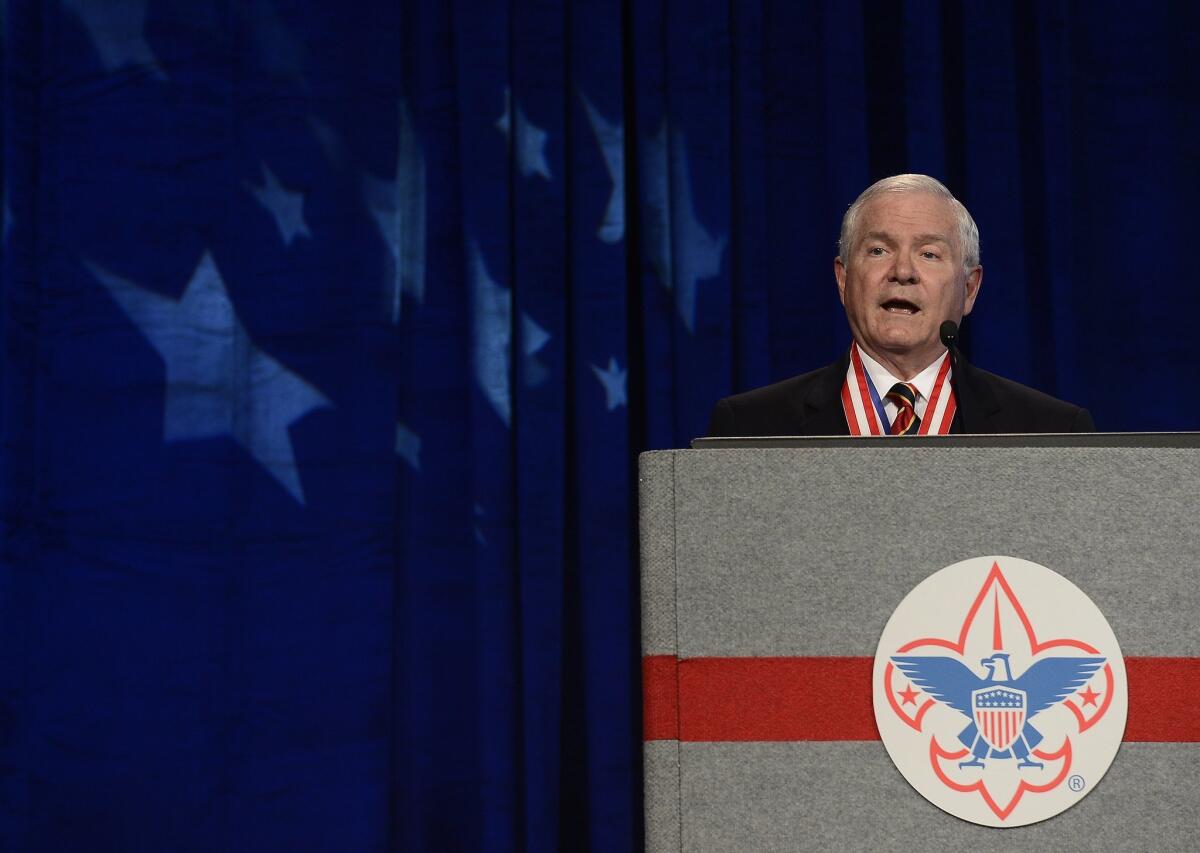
{"type": "Point", "coordinates": [948, 332]}
{"type": "Point", "coordinates": [949, 335]}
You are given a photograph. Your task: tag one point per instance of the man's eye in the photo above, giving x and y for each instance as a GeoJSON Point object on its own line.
{"type": "Point", "coordinates": [930, 255]}
{"type": "Point", "coordinates": [875, 251]}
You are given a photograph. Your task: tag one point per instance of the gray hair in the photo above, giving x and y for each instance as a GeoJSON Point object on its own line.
{"type": "Point", "coordinates": [968, 232]}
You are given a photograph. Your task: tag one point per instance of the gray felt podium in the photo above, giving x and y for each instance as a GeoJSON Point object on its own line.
{"type": "Point", "coordinates": [770, 549]}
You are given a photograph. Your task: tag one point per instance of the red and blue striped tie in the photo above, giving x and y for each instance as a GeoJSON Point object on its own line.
{"type": "Point", "coordinates": [904, 395]}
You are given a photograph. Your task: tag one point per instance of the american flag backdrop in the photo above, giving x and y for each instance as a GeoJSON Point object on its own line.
{"type": "Point", "coordinates": [331, 332]}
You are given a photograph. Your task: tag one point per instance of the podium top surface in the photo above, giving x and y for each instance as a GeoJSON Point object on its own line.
{"type": "Point", "coordinates": [1069, 439]}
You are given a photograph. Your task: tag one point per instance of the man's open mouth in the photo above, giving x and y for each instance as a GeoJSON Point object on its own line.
{"type": "Point", "coordinates": [900, 306]}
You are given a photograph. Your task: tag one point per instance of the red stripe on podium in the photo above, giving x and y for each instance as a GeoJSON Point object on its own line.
{"type": "Point", "coordinates": [1162, 699]}
{"type": "Point", "coordinates": [829, 699]}
{"type": "Point", "coordinates": [660, 697]}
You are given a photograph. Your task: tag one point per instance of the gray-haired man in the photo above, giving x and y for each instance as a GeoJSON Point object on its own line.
{"type": "Point", "coordinates": [908, 262]}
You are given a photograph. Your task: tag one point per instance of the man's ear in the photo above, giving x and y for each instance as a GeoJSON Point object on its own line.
{"type": "Point", "coordinates": [974, 282]}
{"type": "Point", "coordinates": [839, 272]}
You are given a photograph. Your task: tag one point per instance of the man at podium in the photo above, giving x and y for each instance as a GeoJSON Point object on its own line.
{"type": "Point", "coordinates": [907, 272]}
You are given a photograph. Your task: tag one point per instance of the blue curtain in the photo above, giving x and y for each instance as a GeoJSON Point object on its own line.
{"type": "Point", "coordinates": [331, 333]}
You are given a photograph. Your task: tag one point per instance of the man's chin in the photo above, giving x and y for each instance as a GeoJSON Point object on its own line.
{"type": "Point", "coordinates": [903, 348]}
{"type": "Point", "coordinates": [900, 344]}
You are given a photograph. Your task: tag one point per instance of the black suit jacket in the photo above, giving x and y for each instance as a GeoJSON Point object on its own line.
{"type": "Point", "coordinates": [811, 404]}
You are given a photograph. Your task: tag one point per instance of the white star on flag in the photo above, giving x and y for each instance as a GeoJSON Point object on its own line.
{"type": "Point", "coordinates": [118, 32]}
{"type": "Point", "coordinates": [611, 139]}
{"type": "Point", "coordinates": [533, 340]}
{"type": "Point", "coordinates": [530, 139]}
{"type": "Point", "coordinates": [612, 379]}
{"type": "Point", "coordinates": [680, 248]}
{"type": "Point", "coordinates": [398, 208]}
{"type": "Point", "coordinates": [408, 446]}
{"type": "Point", "coordinates": [491, 308]}
{"type": "Point", "coordinates": [218, 382]}
{"type": "Point", "coordinates": [286, 206]}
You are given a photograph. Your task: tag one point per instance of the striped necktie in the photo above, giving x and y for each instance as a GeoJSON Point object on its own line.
{"type": "Point", "coordinates": [904, 395]}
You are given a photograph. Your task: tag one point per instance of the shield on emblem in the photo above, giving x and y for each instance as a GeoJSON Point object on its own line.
{"type": "Point", "coordinates": [999, 714]}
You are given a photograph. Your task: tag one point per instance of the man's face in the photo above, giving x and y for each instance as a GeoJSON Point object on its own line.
{"type": "Point", "coordinates": [903, 278]}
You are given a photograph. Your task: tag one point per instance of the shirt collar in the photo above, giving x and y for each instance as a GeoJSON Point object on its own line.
{"type": "Point", "coordinates": [883, 380]}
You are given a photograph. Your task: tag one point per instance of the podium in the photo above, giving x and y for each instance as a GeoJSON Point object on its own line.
{"type": "Point", "coordinates": [770, 566]}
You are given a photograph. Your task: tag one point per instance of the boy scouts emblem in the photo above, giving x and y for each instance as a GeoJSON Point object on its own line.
{"type": "Point", "coordinates": [1000, 691]}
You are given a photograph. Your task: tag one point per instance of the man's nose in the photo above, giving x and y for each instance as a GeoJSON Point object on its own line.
{"type": "Point", "coordinates": [904, 271]}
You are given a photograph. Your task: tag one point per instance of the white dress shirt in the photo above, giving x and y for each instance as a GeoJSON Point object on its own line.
{"type": "Point", "coordinates": [883, 380]}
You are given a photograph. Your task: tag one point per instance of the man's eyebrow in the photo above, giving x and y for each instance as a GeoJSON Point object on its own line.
{"type": "Point", "coordinates": [933, 238]}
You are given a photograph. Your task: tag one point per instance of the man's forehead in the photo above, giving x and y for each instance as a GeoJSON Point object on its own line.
{"type": "Point", "coordinates": [909, 203]}
{"type": "Point", "coordinates": [886, 236]}
{"type": "Point", "coordinates": [921, 214]}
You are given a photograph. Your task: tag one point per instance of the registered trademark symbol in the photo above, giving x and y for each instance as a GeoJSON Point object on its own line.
{"type": "Point", "coordinates": [1075, 783]}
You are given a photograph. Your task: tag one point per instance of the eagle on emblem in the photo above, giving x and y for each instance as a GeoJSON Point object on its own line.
{"type": "Point", "coordinates": [999, 706]}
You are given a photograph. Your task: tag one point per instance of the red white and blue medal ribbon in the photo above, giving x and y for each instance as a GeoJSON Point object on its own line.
{"type": "Point", "coordinates": [865, 414]}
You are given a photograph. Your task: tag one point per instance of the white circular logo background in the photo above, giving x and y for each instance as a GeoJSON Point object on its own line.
{"type": "Point", "coordinates": [1000, 691]}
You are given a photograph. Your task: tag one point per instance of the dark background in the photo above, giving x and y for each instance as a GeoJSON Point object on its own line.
{"type": "Point", "coordinates": [326, 363]}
